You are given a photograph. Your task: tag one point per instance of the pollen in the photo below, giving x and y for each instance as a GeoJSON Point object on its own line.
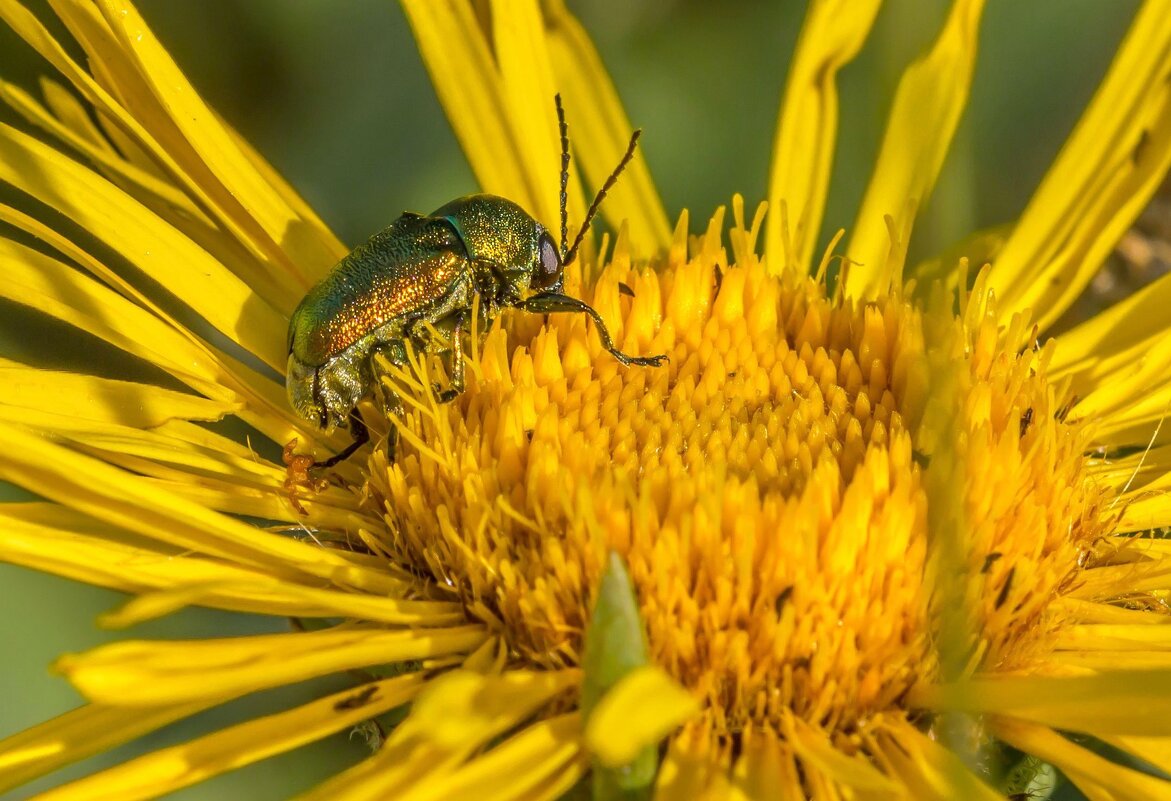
{"type": "Point", "coordinates": [806, 518]}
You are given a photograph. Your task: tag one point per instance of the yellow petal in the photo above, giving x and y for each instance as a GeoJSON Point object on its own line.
{"type": "Point", "coordinates": [1105, 174]}
{"type": "Point", "coordinates": [128, 132]}
{"type": "Point", "coordinates": [1099, 778]}
{"type": "Point", "coordinates": [34, 279]}
{"type": "Point", "coordinates": [767, 770]}
{"type": "Point", "coordinates": [1112, 702]}
{"type": "Point", "coordinates": [57, 540]}
{"type": "Point", "coordinates": [333, 246]}
{"type": "Point", "coordinates": [142, 673]}
{"type": "Point", "coordinates": [540, 763]}
{"type": "Point", "coordinates": [1111, 339]}
{"type": "Point", "coordinates": [464, 73]}
{"type": "Point", "coordinates": [832, 34]}
{"type": "Point", "coordinates": [160, 196]}
{"type": "Point", "coordinates": [170, 769]}
{"type": "Point", "coordinates": [37, 280]}
{"type": "Point", "coordinates": [240, 188]}
{"type": "Point", "coordinates": [815, 748]}
{"type": "Point", "coordinates": [73, 115]}
{"type": "Point", "coordinates": [457, 714]}
{"type": "Point", "coordinates": [639, 711]}
{"type": "Point", "coordinates": [928, 768]}
{"type": "Point", "coordinates": [467, 707]}
{"type": "Point", "coordinates": [1153, 750]}
{"type": "Point", "coordinates": [527, 88]}
{"type": "Point", "coordinates": [1145, 513]}
{"type": "Point", "coordinates": [258, 596]}
{"type": "Point", "coordinates": [104, 399]}
{"type": "Point", "coordinates": [927, 108]}
{"type": "Point", "coordinates": [129, 176]}
{"type": "Point", "coordinates": [121, 499]}
{"type": "Point", "coordinates": [690, 772]}
{"type": "Point", "coordinates": [601, 130]}
{"type": "Point", "coordinates": [146, 241]}
{"type": "Point", "coordinates": [78, 734]}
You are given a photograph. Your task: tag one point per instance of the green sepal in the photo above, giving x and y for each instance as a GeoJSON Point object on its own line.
{"type": "Point", "coordinates": [615, 645]}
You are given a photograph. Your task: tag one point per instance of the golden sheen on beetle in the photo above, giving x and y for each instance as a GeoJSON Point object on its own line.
{"type": "Point", "coordinates": [422, 273]}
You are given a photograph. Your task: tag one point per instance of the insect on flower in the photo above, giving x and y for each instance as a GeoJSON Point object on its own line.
{"type": "Point", "coordinates": [421, 274]}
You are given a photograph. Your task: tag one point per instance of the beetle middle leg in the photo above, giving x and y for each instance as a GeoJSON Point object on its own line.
{"type": "Point", "coordinates": [552, 302]}
{"type": "Point", "coordinates": [460, 321]}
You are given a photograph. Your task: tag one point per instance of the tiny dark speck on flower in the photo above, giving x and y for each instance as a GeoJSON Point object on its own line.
{"type": "Point", "coordinates": [358, 699]}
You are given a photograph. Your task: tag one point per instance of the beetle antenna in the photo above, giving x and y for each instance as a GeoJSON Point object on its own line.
{"type": "Point", "coordinates": [564, 173]}
{"type": "Point", "coordinates": [585, 226]}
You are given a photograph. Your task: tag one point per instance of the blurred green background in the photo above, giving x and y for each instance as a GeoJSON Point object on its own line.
{"type": "Point", "coordinates": [335, 95]}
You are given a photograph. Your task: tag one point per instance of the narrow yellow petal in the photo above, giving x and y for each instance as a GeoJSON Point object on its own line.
{"type": "Point", "coordinates": [464, 73]}
{"type": "Point", "coordinates": [815, 748]}
{"type": "Point", "coordinates": [767, 770]}
{"type": "Point", "coordinates": [146, 241]}
{"type": "Point", "coordinates": [540, 763]}
{"type": "Point", "coordinates": [161, 197]}
{"type": "Point", "coordinates": [927, 108]}
{"type": "Point", "coordinates": [1105, 174]}
{"type": "Point", "coordinates": [33, 279]}
{"type": "Point", "coordinates": [216, 148]}
{"type": "Point", "coordinates": [929, 769]}
{"type": "Point", "coordinates": [60, 541]}
{"type": "Point", "coordinates": [832, 34]}
{"type": "Point", "coordinates": [100, 151]}
{"type": "Point", "coordinates": [129, 133]}
{"type": "Point", "coordinates": [600, 130]}
{"type": "Point", "coordinates": [73, 115]}
{"type": "Point", "coordinates": [1099, 778]}
{"type": "Point", "coordinates": [1117, 638]}
{"type": "Point", "coordinates": [171, 769]}
{"type": "Point", "coordinates": [1146, 513]}
{"type": "Point", "coordinates": [144, 673]}
{"type": "Point", "coordinates": [119, 498]}
{"type": "Point", "coordinates": [640, 710]}
{"type": "Point", "coordinates": [1105, 340]}
{"type": "Point", "coordinates": [689, 772]}
{"type": "Point", "coordinates": [78, 734]}
{"type": "Point", "coordinates": [149, 333]}
{"type": "Point", "coordinates": [527, 88]}
{"type": "Point", "coordinates": [466, 708]}
{"type": "Point", "coordinates": [104, 399]}
{"type": "Point", "coordinates": [1112, 702]}
{"type": "Point", "coordinates": [457, 714]}
{"type": "Point", "coordinates": [329, 510]}
{"type": "Point", "coordinates": [268, 597]}
{"type": "Point", "coordinates": [292, 197]}
{"type": "Point", "coordinates": [1154, 750]}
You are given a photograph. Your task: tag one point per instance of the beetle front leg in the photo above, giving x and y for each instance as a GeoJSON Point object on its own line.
{"type": "Point", "coordinates": [552, 302]}
{"type": "Point", "coordinates": [361, 436]}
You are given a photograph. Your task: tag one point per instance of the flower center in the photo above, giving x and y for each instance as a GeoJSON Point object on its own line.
{"type": "Point", "coordinates": [769, 489]}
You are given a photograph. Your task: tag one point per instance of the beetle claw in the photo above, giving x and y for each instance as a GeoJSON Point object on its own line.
{"type": "Point", "coordinates": [641, 361]}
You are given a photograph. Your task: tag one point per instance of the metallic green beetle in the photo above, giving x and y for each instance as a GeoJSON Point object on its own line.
{"type": "Point", "coordinates": [423, 272]}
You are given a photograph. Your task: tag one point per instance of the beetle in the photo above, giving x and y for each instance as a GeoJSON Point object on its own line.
{"type": "Point", "coordinates": [420, 275]}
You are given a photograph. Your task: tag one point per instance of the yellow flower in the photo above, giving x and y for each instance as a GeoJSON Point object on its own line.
{"type": "Point", "coordinates": [876, 533]}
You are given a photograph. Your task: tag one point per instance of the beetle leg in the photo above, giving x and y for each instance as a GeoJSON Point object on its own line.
{"type": "Point", "coordinates": [361, 436]}
{"type": "Point", "coordinates": [457, 361]}
{"type": "Point", "coordinates": [552, 302]}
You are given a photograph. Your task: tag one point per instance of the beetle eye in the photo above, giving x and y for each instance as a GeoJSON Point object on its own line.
{"type": "Point", "coordinates": [548, 272]}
